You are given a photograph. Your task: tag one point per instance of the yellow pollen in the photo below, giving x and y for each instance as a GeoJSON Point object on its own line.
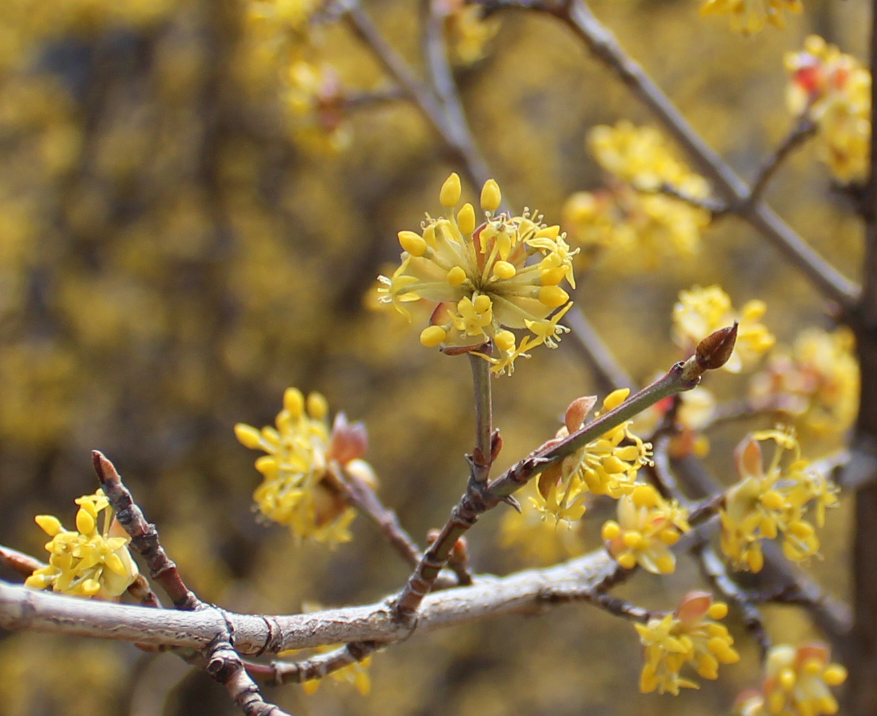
{"type": "Point", "coordinates": [504, 270]}
{"type": "Point", "coordinates": [466, 219]}
{"type": "Point", "coordinates": [456, 276]}
{"type": "Point", "coordinates": [451, 191]}
{"type": "Point", "coordinates": [491, 197]}
{"type": "Point", "coordinates": [433, 336]}
{"type": "Point", "coordinates": [412, 243]}
{"type": "Point", "coordinates": [553, 296]}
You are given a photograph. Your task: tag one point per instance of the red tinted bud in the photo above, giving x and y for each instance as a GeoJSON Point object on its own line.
{"type": "Point", "coordinates": [715, 350]}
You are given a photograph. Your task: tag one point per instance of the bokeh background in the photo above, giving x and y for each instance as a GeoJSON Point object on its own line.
{"type": "Point", "coordinates": [176, 248]}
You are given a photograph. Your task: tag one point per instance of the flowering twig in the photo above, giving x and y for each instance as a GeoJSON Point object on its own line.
{"type": "Point", "coordinates": [144, 536]}
{"type": "Point", "coordinates": [716, 572]}
{"type": "Point", "coordinates": [605, 48]}
{"type": "Point", "coordinates": [711, 353]}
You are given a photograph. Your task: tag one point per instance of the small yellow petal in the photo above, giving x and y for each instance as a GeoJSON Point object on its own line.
{"type": "Point", "coordinates": [456, 276]}
{"type": "Point", "coordinates": [318, 406]}
{"type": "Point", "coordinates": [504, 270]}
{"type": "Point", "coordinates": [413, 243]}
{"type": "Point", "coordinates": [553, 296]}
{"type": "Point", "coordinates": [50, 524]}
{"type": "Point", "coordinates": [248, 436]}
{"type": "Point", "coordinates": [293, 403]}
{"type": "Point", "coordinates": [84, 522]}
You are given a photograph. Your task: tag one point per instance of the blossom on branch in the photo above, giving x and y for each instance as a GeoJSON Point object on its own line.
{"type": "Point", "coordinates": [605, 466]}
{"type": "Point", "coordinates": [86, 562]}
{"type": "Point", "coordinates": [688, 636]}
{"type": "Point", "coordinates": [796, 683]}
{"type": "Point", "coordinates": [750, 16]}
{"type": "Point", "coordinates": [647, 527]}
{"type": "Point", "coordinates": [630, 218]}
{"type": "Point", "coordinates": [701, 311]}
{"type": "Point", "coordinates": [833, 89]}
{"type": "Point", "coordinates": [772, 500]}
{"type": "Point", "coordinates": [504, 273]}
{"type": "Point", "coordinates": [303, 467]}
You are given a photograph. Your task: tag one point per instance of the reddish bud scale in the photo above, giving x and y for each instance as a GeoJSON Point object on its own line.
{"type": "Point", "coordinates": [715, 350]}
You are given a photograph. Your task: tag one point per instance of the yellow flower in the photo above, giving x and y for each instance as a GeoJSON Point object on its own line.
{"type": "Point", "coordinates": [605, 466]}
{"type": "Point", "coordinates": [797, 683]}
{"type": "Point", "coordinates": [835, 91]}
{"type": "Point", "coordinates": [86, 562]}
{"type": "Point", "coordinates": [818, 381]}
{"type": "Point", "coordinates": [750, 16]}
{"type": "Point", "coordinates": [315, 101]}
{"type": "Point", "coordinates": [637, 230]}
{"type": "Point", "coordinates": [647, 527]}
{"type": "Point", "coordinates": [504, 273]}
{"type": "Point", "coordinates": [302, 468]}
{"type": "Point", "coordinates": [701, 311]}
{"type": "Point", "coordinates": [696, 411]}
{"type": "Point", "coordinates": [774, 500]}
{"type": "Point", "coordinates": [466, 30]}
{"type": "Point", "coordinates": [688, 636]}
{"type": "Point", "coordinates": [539, 540]}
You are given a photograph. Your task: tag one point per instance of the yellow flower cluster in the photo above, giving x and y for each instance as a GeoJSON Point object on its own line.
{"type": "Point", "coordinates": [818, 381]}
{"type": "Point", "coordinates": [772, 500]}
{"type": "Point", "coordinates": [86, 562]}
{"type": "Point", "coordinates": [466, 29]}
{"type": "Point", "coordinates": [647, 527]}
{"type": "Point", "coordinates": [302, 468]}
{"type": "Point", "coordinates": [606, 466]}
{"type": "Point", "coordinates": [834, 90]}
{"type": "Point", "coordinates": [315, 101]}
{"type": "Point", "coordinates": [638, 229]}
{"type": "Point", "coordinates": [504, 273]}
{"type": "Point", "coordinates": [701, 311]}
{"type": "Point", "coordinates": [537, 539]}
{"type": "Point", "coordinates": [750, 16]}
{"type": "Point", "coordinates": [688, 636]}
{"type": "Point", "coordinates": [796, 683]}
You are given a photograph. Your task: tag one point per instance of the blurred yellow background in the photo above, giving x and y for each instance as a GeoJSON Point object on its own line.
{"type": "Point", "coordinates": [176, 249]}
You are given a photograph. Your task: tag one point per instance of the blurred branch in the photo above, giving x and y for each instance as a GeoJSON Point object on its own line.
{"type": "Point", "coordinates": [19, 562]}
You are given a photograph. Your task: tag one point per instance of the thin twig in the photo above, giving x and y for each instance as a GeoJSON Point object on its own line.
{"type": "Point", "coordinates": [315, 667]}
{"type": "Point", "coordinates": [144, 536]}
{"type": "Point", "coordinates": [226, 667]}
{"type": "Point", "coordinates": [19, 562]}
{"type": "Point", "coordinates": [716, 573]}
{"type": "Point", "coordinates": [482, 455]}
{"type": "Point", "coordinates": [804, 128]}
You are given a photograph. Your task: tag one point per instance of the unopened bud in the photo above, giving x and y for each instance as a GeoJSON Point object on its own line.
{"type": "Point", "coordinates": [715, 350]}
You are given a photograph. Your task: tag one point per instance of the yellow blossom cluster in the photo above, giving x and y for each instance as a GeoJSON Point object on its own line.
{"type": "Point", "coordinates": [86, 562]}
{"type": "Point", "coordinates": [750, 16]}
{"type": "Point", "coordinates": [701, 311]}
{"type": "Point", "coordinates": [486, 278]}
{"type": "Point", "coordinates": [797, 683]}
{"type": "Point", "coordinates": [537, 539]}
{"type": "Point", "coordinates": [466, 29]}
{"type": "Point", "coordinates": [691, 636]}
{"type": "Point", "coordinates": [304, 466]}
{"type": "Point", "coordinates": [605, 466]}
{"type": "Point", "coordinates": [629, 218]}
{"type": "Point", "coordinates": [773, 499]}
{"type": "Point", "coordinates": [818, 381]}
{"type": "Point", "coordinates": [315, 100]}
{"type": "Point", "coordinates": [647, 527]}
{"type": "Point", "coordinates": [835, 90]}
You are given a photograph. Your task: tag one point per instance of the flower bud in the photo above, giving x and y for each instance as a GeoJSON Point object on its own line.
{"type": "Point", "coordinates": [451, 191]}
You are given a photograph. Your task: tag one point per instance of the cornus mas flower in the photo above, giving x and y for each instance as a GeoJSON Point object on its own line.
{"type": "Point", "coordinates": [688, 636]}
{"type": "Point", "coordinates": [305, 465]}
{"type": "Point", "coordinates": [637, 229]}
{"type": "Point", "coordinates": [86, 562]}
{"type": "Point", "coordinates": [466, 29]}
{"type": "Point", "coordinates": [835, 91]}
{"type": "Point", "coordinates": [797, 683]}
{"type": "Point", "coordinates": [772, 500]}
{"type": "Point", "coordinates": [647, 527]}
{"type": "Point", "coordinates": [537, 539]}
{"type": "Point", "coordinates": [701, 311]}
{"type": "Point", "coordinates": [606, 466]}
{"type": "Point", "coordinates": [818, 381]}
{"type": "Point", "coordinates": [750, 16]}
{"type": "Point", "coordinates": [487, 278]}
